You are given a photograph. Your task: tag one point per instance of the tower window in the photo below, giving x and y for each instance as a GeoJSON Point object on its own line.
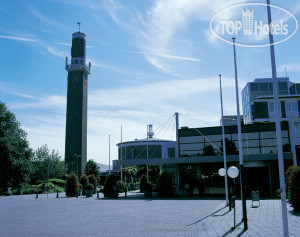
{"type": "Point", "coordinates": [76, 61]}
{"type": "Point", "coordinates": [81, 61]}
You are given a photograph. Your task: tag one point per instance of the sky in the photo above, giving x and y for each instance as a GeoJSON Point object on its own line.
{"type": "Point", "coordinates": [149, 59]}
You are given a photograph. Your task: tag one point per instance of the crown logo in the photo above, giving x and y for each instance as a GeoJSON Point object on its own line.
{"type": "Point", "coordinates": [248, 21]}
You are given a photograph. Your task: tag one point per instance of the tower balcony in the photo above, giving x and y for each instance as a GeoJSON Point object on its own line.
{"type": "Point", "coordinates": [73, 67]}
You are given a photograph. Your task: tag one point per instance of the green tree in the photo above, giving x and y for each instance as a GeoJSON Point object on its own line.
{"type": "Point", "coordinates": [231, 148]}
{"type": "Point", "coordinates": [110, 182]}
{"type": "Point", "coordinates": [165, 185]}
{"type": "Point", "coordinates": [153, 171]}
{"type": "Point", "coordinates": [72, 185]}
{"type": "Point", "coordinates": [44, 158]}
{"type": "Point", "coordinates": [91, 167]}
{"type": "Point", "coordinates": [209, 151]}
{"type": "Point", "coordinates": [15, 154]}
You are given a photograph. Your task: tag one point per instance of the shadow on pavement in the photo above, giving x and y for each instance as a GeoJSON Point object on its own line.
{"type": "Point", "coordinates": [207, 216]}
{"type": "Point", "coordinates": [231, 230]}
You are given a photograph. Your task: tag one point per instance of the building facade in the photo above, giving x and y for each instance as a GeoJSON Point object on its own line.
{"type": "Point", "coordinates": [76, 116]}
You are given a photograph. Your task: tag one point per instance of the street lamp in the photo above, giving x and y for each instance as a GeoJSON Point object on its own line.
{"type": "Point", "coordinates": [233, 172]}
{"type": "Point", "coordinates": [77, 161]}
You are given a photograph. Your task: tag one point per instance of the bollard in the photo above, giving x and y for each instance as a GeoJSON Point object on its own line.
{"type": "Point", "coordinates": [233, 206]}
{"type": "Point", "coordinates": [37, 195]}
{"type": "Point", "coordinates": [57, 194]}
{"type": "Point", "coordinates": [97, 194]}
{"type": "Point", "coordinates": [76, 194]}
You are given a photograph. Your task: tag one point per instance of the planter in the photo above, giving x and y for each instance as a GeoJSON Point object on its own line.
{"type": "Point", "coordinates": [80, 192]}
{"type": "Point", "coordinates": [148, 193]}
{"type": "Point", "coordinates": [89, 193]}
{"type": "Point", "coordinates": [20, 191]}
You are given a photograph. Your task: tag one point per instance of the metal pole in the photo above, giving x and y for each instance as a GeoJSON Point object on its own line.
{"type": "Point", "coordinates": [121, 155]}
{"type": "Point", "coordinates": [242, 177]}
{"type": "Point", "coordinates": [109, 152]}
{"type": "Point", "coordinates": [224, 145]}
{"type": "Point", "coordinates": [292, 140]}
{"type": "Point", "coordinates": [147, 151]}
{"type": "Point", "coordinates": [278, 129]}
{"type": "Point", "coordinates": [48, 178]}
{"type": "Point", "coordinates": [177, 134]}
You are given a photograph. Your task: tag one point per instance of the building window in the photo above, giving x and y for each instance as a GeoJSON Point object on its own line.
{"type": "Point", "coordinates": [76, 61]}
{"type": "Point", "coordinates": [291, 108]}
{"type": "Point", "coordinates": [296, 126]}
{"type": "Point", "coordinates": [271, 110]}
{"type": "Point", "coordinates": [81, 61]}
{"type": "Point", "coordinates": [171, 152]}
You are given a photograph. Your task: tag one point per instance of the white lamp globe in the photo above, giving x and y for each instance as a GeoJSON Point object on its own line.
{"type": "Point", "coordinates": [222, 172]}
{"type": "Point", "coordinates": [233, 172]}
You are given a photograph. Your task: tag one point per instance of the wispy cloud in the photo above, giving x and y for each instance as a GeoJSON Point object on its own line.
{"type": "Point", "coordinates": [169, 56]}
{"type": "Point", "coordinates": [57, 52]}
{"type": "Point", "coordinates": [18, 38]}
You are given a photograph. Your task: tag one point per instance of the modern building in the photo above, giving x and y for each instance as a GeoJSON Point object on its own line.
{"type": "Point", "coordinates": [229, 120]}
{"type": "Point", "coordinates": [258, 104]}
{"type": "Point", "coordinates": [146, 148]}
{"type": "Point", "coordinates": [76, 118]}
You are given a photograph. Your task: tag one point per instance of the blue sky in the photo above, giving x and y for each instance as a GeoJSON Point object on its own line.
{"type": "Point", "coordinates": [149, 59]}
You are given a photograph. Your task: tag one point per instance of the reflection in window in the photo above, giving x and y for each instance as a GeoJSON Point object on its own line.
{"type": "Point", "coordinates": [296, 126]}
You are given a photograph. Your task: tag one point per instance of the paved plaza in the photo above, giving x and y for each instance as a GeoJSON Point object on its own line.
{"type": "Point", "coordinates": [27, 216]}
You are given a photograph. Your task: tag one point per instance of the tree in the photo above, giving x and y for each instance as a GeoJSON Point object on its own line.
{"type": "Point", "coordinates": [231, 148]}
{"type": "Point", "coordinates": [165, 185]}
{"type": "Point", "coordinates": [72, 185]}
{"type": "Point", "coordinates": [93, 180]}
{"type": "Point", "coordinates": [153, 171]}
{"type": "Point", "coordinates": [209, 151]}
{"type": "Point", "coordinates": [15, 154]}
{"type": "Point", "coordinates": [110, 182]}
{"type": "Point", "coordinates": [43, 159]}
{"type": "Point", "coordinates": [91, 167]}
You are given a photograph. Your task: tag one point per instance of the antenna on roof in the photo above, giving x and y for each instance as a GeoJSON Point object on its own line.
{"type": "Point", "coordinates": [286, 75]}
{"type": "Point", "coordinates": [78, 26]}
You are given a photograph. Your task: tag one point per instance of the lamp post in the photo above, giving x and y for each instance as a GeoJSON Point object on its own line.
{"type": "Point", "coordinates": [233, 172]}
{"type": "Point", "coordinates": [77, 162]}
{"type": "Point", "coordinates": [278, 128]}
{"type": "Point", "coordinates": [242, 176]}
{"type": "Point", "coordinates": [224, 145]}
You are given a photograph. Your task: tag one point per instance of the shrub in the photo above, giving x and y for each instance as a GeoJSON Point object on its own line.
{"type": "Point", "coordinates": [93, 181]}
{"type": "Point", "coordinates": [72, 185]}
{"type": "Point", "coordinates": [294, 189]}
{"type": "Point", "coordinates": [80, 187]}
{"type": "Point", "coordinates": [58, 182]}
{"type": "Point", "coordinates": [89, 187]}
{"type": "Point", "coordinates": [122, 185]}
{"type": "Point", "coordinates": [143, 183]}
{"type": "Point", "coordinates": [287, 179]}
{"type": "Point", "coordinates": [165, 185]}
{"type": "Point", "coordinates": [110, 182]}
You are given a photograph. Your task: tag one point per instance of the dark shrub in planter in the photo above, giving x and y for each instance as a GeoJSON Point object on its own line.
{"type": "Point", "coordinates": [89, 190]}
{"type": "Point", "coordinates": [72, 185]}
{"type": "Point", "coordinates": [165, 185]}
{"type": "Point", "coordinates": [20, 189]}
{"type": "Point", "coordinates": [294, 189]}
{"type": "Point", "coordinates": [93, 181]}
{"type": "Point", "coordinates": [84, 181]}
{"type": "Point", "coordinates": [288, 178]}
{"type": "Point", "coordinates": [143, 183]}
{"type": "Point", "coordinates": [148, 190]}
{"type": "Point", "coordinates": [110, 182]}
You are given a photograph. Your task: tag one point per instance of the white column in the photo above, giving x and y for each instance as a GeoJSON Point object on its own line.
{"type": "Point", "coordinates": [224, 145]}
{"type": "Point", "coordinates": [278, 129]}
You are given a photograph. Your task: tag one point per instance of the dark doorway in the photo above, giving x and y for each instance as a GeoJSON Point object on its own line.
{"type": "Point", "coordinates": [257, 178]}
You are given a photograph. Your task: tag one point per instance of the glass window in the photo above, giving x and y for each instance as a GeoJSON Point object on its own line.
{"type": "Point", "coordinates": [254, 87]}
{"type": "Point", "coordinates": [263, 86]}
{"type": "Point", "coordinates": [296, 126]}
{"type": "Point", "coordinates": [268, 135]}
{"type": "Point", "coordinates": [76, 61]}
{"type": "Point", "coordinates": [282, 86]}
{"type": "Point", "coordinates": [81, 61]}
{"type": "Point", "coordinates": [298, 88]}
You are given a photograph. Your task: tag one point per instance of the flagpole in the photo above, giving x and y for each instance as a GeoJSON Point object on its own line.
{"type": "Point", "coordinates": [224, 145]}
{"type": "Point", "coordinates": [278, 128]}
{"type": "Point", "coordinates": [109, 152]}
{"type": "Point", "coordinates": [242, 173]}
{"type": "Point", "coordinates": [121, 156]}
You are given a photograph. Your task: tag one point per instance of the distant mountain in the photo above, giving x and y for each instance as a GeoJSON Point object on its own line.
{"type": "Point", "coordinates": [103, 167]}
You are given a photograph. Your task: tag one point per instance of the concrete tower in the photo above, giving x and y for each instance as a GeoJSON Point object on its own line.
{"type": "Point", "coordinates": [76, 121]}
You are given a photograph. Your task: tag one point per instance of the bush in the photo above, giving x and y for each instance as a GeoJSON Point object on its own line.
{"type": "Point", "coordinates": [80, 187]}
{"type": "Point", "coordinates": [287, 179]}
{"type": "Point", "coordinates": [93, 181]}
{"type": "Point", "coordinates": [72, 185]}
{"type": "Point", "coordinates": [143, 183]}
{"type": "Point", "coordinates": [294, 189]}
{"type": "Point", "coordinates": [89, 187]}
{"type": "Point", "coordinates": [110, 182]}
{"type": "Point", "coordinates": [122, 185]}
{"type": "Point", "coordinates": [58, 182]}
{"type": "Point", "coordinates": [165, 185]}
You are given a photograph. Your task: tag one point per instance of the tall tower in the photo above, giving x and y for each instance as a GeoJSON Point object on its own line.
{"type": "Point", "coordinates": [76, 121]}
